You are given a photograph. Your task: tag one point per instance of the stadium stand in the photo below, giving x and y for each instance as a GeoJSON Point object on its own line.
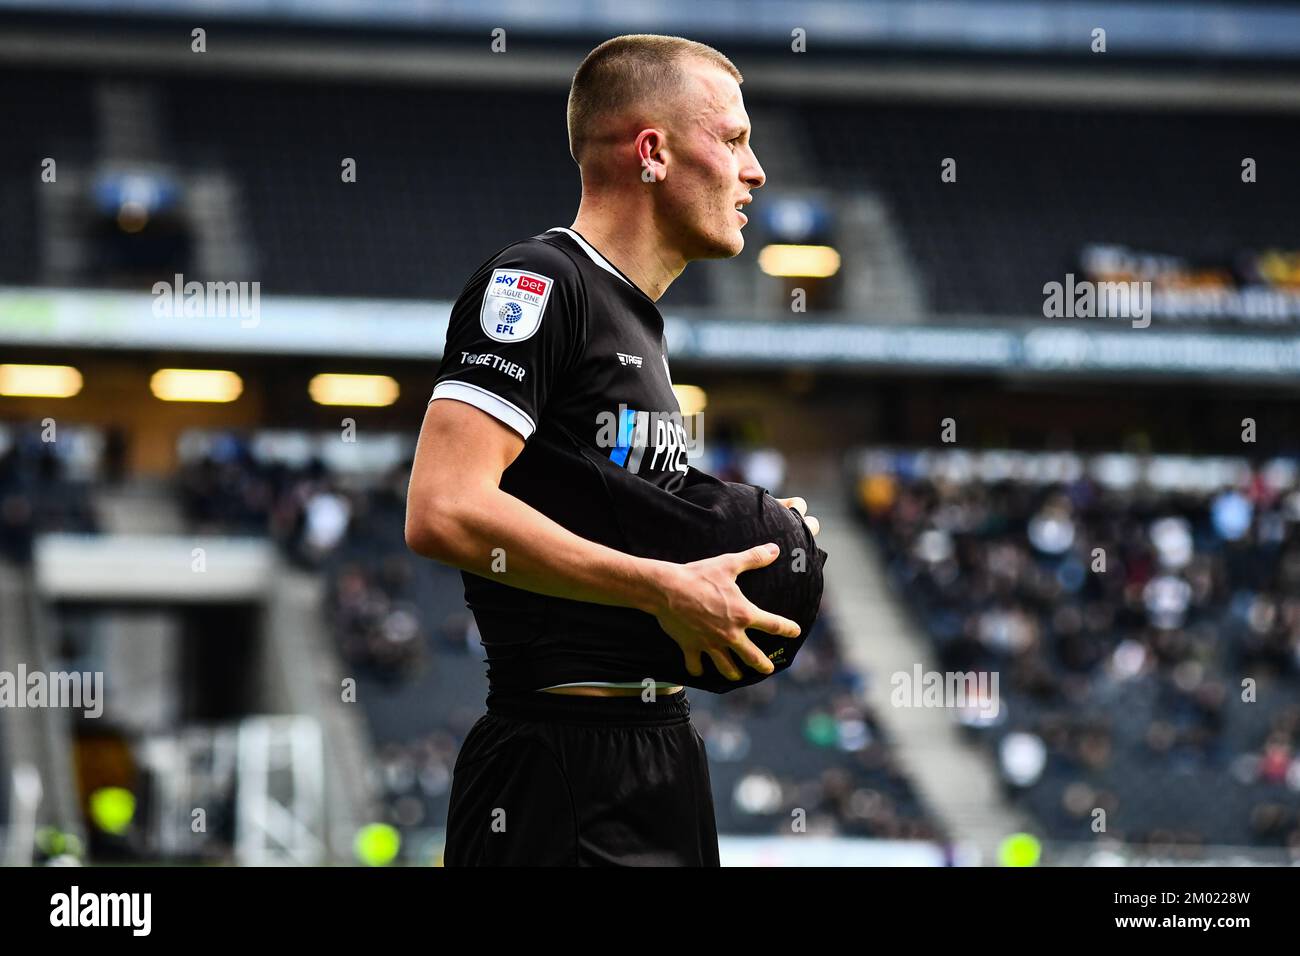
{"type": "Point", "coordinates": [982, 243]}
{"type": "Point", "coordinates": [429, 203]}
{"type": "Point", "coordinates": [1035, 186]}
{"type": "Point", "coordinates": [403, 630]}
{"type": "Point", "coordinates": [47, 116]}
{"type": "Point", "coordinates": [807, 742]}
{"type": "Point", "coordinates": [37, 494]}
{"type": "Point", "coordinates": [1161, 689]}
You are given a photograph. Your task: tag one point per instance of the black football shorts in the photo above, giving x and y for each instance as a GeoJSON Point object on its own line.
{"type": "Point", "coordinates": [560, 780]}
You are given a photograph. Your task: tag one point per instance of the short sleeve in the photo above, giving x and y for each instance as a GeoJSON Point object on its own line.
{"type": "Point", "coordinates": [517, 327]}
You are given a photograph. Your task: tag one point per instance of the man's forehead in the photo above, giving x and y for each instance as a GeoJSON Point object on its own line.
{"type": "Point", "coordinates": [714, 95]}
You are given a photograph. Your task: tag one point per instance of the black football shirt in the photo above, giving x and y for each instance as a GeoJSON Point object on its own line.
{"type": "Point", "coordinates": [548, 334]}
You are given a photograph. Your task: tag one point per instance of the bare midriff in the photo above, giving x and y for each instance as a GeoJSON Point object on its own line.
{"type": "Point", "coordinates": [609, 691]}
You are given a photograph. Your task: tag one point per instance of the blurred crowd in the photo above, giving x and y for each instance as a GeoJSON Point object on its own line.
{"type": "Point", "coordinates": [736, 451]}
{"type": "Point", "coordinates": [1144, 618]}
{"type": "Point", "coordinates": [229, 490]}
{"type": "Point", "coordinates": [803, 753]}
{"type": "Point", "coordinates": [38, 492]}
{"type": "Point", "coordinates": [378, 631]}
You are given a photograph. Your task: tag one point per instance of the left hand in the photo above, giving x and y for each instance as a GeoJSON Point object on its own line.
{"type": "Point", "coordinates": [801, 506]}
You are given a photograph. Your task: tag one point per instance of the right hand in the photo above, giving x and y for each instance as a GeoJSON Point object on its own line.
{"type": "Point", "coordinates": [703, 609]}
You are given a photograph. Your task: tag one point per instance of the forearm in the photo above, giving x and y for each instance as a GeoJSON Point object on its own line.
{"type": "Point", "coordinates": [491, 533]}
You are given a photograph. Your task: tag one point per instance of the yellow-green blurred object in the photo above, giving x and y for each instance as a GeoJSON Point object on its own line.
{"type": "Point", "coordinates": [377, 844]}
{"type": "Point", "coordinates": [112, 808]}
{"type": "Point", "coordinates": [50, 841]}
{"type": "Point", "coordinates": [1020, 849]}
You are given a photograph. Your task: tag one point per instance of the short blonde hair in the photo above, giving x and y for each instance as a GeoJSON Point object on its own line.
{"type": "Point", "coordinates": [627, 70]}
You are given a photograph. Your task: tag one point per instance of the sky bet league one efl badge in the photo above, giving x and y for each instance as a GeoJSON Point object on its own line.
{"type": "Point", "coordinates": [513, 304]}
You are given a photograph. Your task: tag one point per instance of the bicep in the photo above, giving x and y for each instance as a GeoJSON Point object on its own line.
{"type": "Point", "coordinates": [460, 448]}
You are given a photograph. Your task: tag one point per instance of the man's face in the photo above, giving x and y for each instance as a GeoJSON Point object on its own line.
{"type": "Point", "coordinates": [711, 166]}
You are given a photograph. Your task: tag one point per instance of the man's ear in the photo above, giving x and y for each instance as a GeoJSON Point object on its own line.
{"type": "Point", "coordinates": [651, 155]}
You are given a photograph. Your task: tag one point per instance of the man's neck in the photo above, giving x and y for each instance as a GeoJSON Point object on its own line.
{"type": "Point", "coordinates": [632, 243]}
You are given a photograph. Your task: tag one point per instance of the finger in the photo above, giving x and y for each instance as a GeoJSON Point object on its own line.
{"type": "Point", "coordinates": [798, 504]}
{"type": "Point", "coordinates": [773, 623]}
{"type": "Point", "coordinates": [693, 665]}
{"type": "Point", "coordinates": [813, 524]}
{"type": "Point", "coordinates": [726, 667]}
{"type": "Point", "coordinates": [752, 654]}
{"type": "Point", "coordinates": [759, 556]}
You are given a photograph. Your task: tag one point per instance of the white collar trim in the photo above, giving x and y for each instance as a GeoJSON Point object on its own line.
{"type": "Point", "coordinates": [592, 254]}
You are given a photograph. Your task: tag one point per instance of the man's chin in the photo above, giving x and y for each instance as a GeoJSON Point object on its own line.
{"type": "Point", "coordinates": [724, 247]}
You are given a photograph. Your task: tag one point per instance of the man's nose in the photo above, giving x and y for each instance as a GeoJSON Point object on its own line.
{"type": "Point", "coordinates": [753, 174]}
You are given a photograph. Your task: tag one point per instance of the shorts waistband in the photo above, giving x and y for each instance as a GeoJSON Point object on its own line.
{"type": "Point", "coordinates": [601, 711]}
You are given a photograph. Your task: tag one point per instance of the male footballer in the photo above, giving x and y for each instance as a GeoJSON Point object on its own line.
{"type": "Point", "coordinates": [573, 764]}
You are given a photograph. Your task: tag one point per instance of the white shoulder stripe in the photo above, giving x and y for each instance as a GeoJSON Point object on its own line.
{"type": "Point", "coordinates": [506, 412]}
{"type": "Point", "coordinates": [592, 254]}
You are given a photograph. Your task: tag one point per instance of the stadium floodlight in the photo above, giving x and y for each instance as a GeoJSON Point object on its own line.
{"type": "Point", "coordinates": [39, 381]}
{"type": "Point", "coordinates": [796, 261]}
{"type": "Point", "coordinates": [356, 390]}
{"type": "Point", "coordinates": [195, 385]}
{"type": "Point", "coordinates": [691, 398]}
